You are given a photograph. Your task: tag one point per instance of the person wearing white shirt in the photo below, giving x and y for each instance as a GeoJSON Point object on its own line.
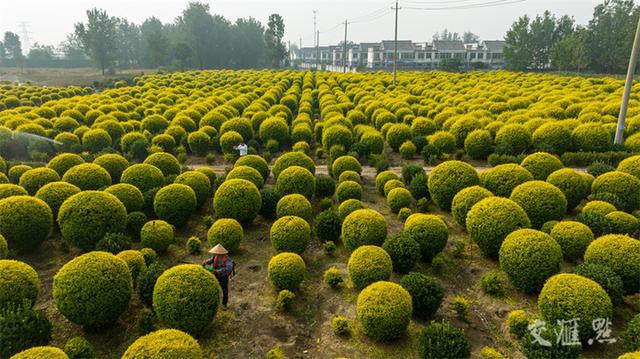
{"type": "Point", "coordinates": [242, 148]}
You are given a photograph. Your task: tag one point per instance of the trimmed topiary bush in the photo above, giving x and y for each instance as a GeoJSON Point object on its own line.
{"type": "Point", "coordinates": [293, 159]}
{"type": "Point", "coordinates": [541, 201]}
{"type": "Point", "coordinates": [157, 235]}
{"type": "Point", "coordinates": [170, 343]}
{"type": "Point", "coordinates": [426, 294]}
{"type": "Point", "coordinates": [529, 258]}
{"type": "Point", "coordinates": [369, 264]}
{"type": "Point", "coordinates": [573, 238]}
{"type": "Point", "coordinates": [147, 280]}
{"type": "Point", "coordinates": [295, 179]}
{"type": "Point", "coordinates": [175, 203]}
{"type": "Point", "coordinates": [35, 178]}
{"type": "Point", "coordinates": [166, 162]}
{"type": "Point", "coordinates": [491, 220]}
{"type": "Point", "coordinates": [502, 179]}
{"type": "Point", "coordinates": [62, 162]}
{"type": "Point", "coordinates": [4, 247]}
{"type": "Point", "coordinates": [606, 277]}
{"type": "Point", "coordinates": [397, 135]}
{"type": "Point", "coordinates": [625, 186]}
{"type": "Point", "coordinates": [349, 190]}
{"type": "Point", "coordinates": [622, 223]}
{"type": "Point", "coordinates": [19, 284]}
{"type": "Point", "coordinates": [327, 225]}
{"type": "Point", "coordinates": [632, 334]}
{"type": "Point", "coordinates": [378, 319]}
{"type": "Point", "coordinates": [294, 205]}
{"type": "Point", "coordinates": [286, 271]}
{"type": "Point", "coordinates": [290, 234]}
{"type": "Point", "coordinates": [238, 199]}
{"type": "Point", "coordinates": [129, 195]}
{"type": "Point", "coordinates": [541, 165]}
{"type": "Point", "coordinates": [15, 172]}
{"type": "Point", "coordinates": [399, 198]}
{"type": "Point", "coordinates": [443, 340]}
{"type": "Point", "coordinates": [568, 296]}
{"type": "Point", "coordinates": [630, 165]}
{"type": "Point", "coordinates": [10, 190]}
{"type": "Point", "coordinates": [134, 260]}
{"type": "Point", "coordinates": [93, 290]}
{"type": "Point", "coordinates": [55, 193]}
{"type": "Point", "coordinates": [553, 137]}
{"type": "Point", "coordinates": [572, 185]}
{"type": "Point", "coordinates": [227, 232]}
{"type": "Point", "coordinates": [363, 227]}
{"type": "Point", "coordinates": [41, 352]}
{"type": "Point", "coordinates": [393, 184]}
{"type": "Point", "coordinates": [349, 206]}
{"type": "Point", "coordinates": [465, 200]}
{"type": "Point", "coordinates": [143, 176]}
{"type": "Point", "coordinates": [429, 231]}
{"type": "Point", "coordinates": [325, 186]}
{"type": "Point", "coordinates": [199, 183]}
{"type": "Point", "coordinates": [620, 253]}
{"type": "Point", "coordinates": [447, 179]}
{"type": "Point", "coordinates": [88, 177]}
{"type": "Point", "coordinates": [256, 162]}
{"type": "Point", "coordinates": [591, 137]}
{"type": "Point", "coordinates": [270, 199]}
{"type": "Point", "coordinates": [478, 144]}
{"type": "Point", "coordinates": [514, 139]}
{"type": "Point", "coordinates": [187, 297]}
{"type": "Point", "coordinates": [25, 222]}
{"type": "Point", "coordinates": [383, 177]}
{"type": "Point", "coordinates": [21, 328]}
{"type": "Point", "coordinates": [114, 163]}
{"type": "Point", "coordinates": [86, 217]}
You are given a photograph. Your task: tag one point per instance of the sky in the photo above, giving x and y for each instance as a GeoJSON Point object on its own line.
{"type": "Point", "coordinates": [49, 21]}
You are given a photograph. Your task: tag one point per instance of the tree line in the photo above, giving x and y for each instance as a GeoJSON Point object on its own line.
{"type": "Point", "coordinates": [195, 39]}
{"type": "Point", "coordinates": [547, 42]}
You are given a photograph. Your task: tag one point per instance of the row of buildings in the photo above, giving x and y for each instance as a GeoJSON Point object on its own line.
{"type": "Point", "coordinates": [414, 55]}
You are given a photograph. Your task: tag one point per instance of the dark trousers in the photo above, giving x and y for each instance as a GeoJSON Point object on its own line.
{"type": "Point", "coordinates": [224, 284]}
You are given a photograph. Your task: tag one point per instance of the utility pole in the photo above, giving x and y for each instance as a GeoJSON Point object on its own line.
{"type": "Point", "coordinates": [315, 36]}
{"type": "Point", "coordinates": [627, 87]}
{"type": "Point", "coordinates": [395, 49]}
{"type": "Point", "coordinates": [25, 36]}
{"type": "Point", "coordinates": [344, 54]}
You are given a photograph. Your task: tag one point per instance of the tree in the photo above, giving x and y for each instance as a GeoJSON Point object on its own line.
{"type": "Point", "coordinates": [155, 44]}
{"type": "Point", "coordinates": [248, 45]}
{"type": "Point", "coordinates": [12, 46]}
{"type": "Point", "coordinates": [42, 56]}
{"type": "Point", "coordinates": [517, 52]}
{"type": "Point", "coordinates": [570, 52]}
{"type": "Point", "coordinates": [98, 38]}
{"type": "Point", "coordinates": [183, 54]}
{"type": "Point", "coordinates": [128, 39]}
{"type": "Point", "coordinates": [73, 53]}
{"type": "Point", "coordinates": [610, 35]}
{"type": "Point", "coordinates": [276, 51]}
{"type": "Point", "coordinates": [196, 27]}
{"type": "Point", "coordinates": [469, 37]}
{"type": "Point", "coordinates": [446, 35]}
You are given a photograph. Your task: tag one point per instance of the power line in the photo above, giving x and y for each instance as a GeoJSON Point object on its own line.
{"type": "Point", "coordinates": [468, 6]}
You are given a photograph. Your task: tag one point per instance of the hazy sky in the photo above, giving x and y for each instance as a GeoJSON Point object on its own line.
{"type": "Point", "coordinates": [50, 21]}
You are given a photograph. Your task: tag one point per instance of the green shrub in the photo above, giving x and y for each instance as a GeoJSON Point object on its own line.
{"type": "Point", "coordinates": [340, 326]}
{"type": "Point", "coordinates": [363, 227]}
{"type": "Point", "coordinates": [491, 220]}
{"type": "Point", "coordinates": [447, 179]}
{"type": "Point", "coordinates": [135, 261]}
{"type": "Point", "coordinates": [553, 137]}
{"type": "Point", "coordinates": [383, 177]}
{"type": "Point", "coordinates": [186, 297]}
{"type": "Point", "coordinates": [606, 277]}
{"type": "Point", "coordinates": [408, 150]}
{"type": "Point", "coordinates": [443, 340]}
{"type": "Point", "coordinates": [41, 352]}
{"type": "Point", "coordinates": [275, 353]}
{"type": "Point", "coordinates": [490, 353]}
{"type": "Point", "coordinates": [573, 238]}
{"type": "Point", "coordinates": [368, 264]}
{"type": "Point", "coordinates": [270, 199]}
{"type": "Point", "coordinates": [479, 144]}
{"type": "Point", "coordinates": [620, 253]}
{"type": "Point", "coordinates": [55, 193]}
{"type": "Point", "coordinates": [442, 142]}
{"type": "Point", "coordinates": [294, 205]}
{"type": "Point", "coordinates": [418, 187]}
{"type": "Point", "coordinates": [378, 319]}
{"type": "Point", "coordinates": [600, 207]}
{"type": "Point", "coordinates": [631, 166]}
{"type": "Point", "coordinates": [62, 162]}
{"type": "Point", "coordinates": [157, 235]}
{"type": "Point", "coordinates": [325, 186]}
{"type": "Point", "coordinates": [502, 179]}
{"type": "Point", "coordinates": [21, 328]}
{"type": "Point", "coordinates": [430, 231]}
{"type": "Point", "coordinates": [491, 284]}
{"type": "Point", "coordinates": [332, 277]}
{"type": "Point", "coordinates": [622, 223]}
{"type": "Point", "coordinates": [349, 206]}
{"type": "Point", "coordinates": [114, 243]}
{"type": "Point", "coordinates": [290, 234]}
{"type": "Point", "coordinates": [147, 280]}
{"type": "Point", "coordinates": [169, 343]}
{"type": "Point", "coordinates": [166, 162]}
{"type": "Point", "coordinates": [293, 159]}
{"type": "Point", "coordinates": [426, 294]}
{"type": "Point", "coordinates": [517, 322]}
{"type": "Point", "coordinates": [19, 284]}
{"type": "Point", "coordinates": [404, 213]}
{"type": "Point", "coordinates": [621, 184]}
{"type": "Point", "coordinates": [247, 173]}
{"type": "Point", "coordinates": [93, 290]}
{"type": "Point", "coordinates": [461, 306]}
{"type": "Point", "coordinates": [10, 190]}
{"type": "Point", "coordinates": [286, 271]}
{"type": "Point", "coordinates": [513, 138]}
{"type": "Point", "coordinates": [348, 190]}
{"type": "Point", "coordinates": [274, 128]}
{"type": "Point", "coordinates": [572, 185]}
{"type": "Point", "coordinates": [295, 179]}
{"type": "Point", "coordinates": [345, 163]}
{"type": "Point", "coordinates": [135, 221]}
{"type": "Point", "coordinates": [568, 296]}
{"type": "Point", "coordinates": [143, 176]}
{"type": "Point", "coordinates": [86, 217]}
{"type": "Point", "coordinates": [541, 201]}
{"type": "Point", "coordinates": [403, 250]}
{"type": "Point", "coordinates": [465, 200]}
{"type": "Point", "coordinates": [256, 162]}
{"type": "Point", "coordinates": [529, 258]}
{"type": "Point", "coordinates": [285, 300]}
{"type": "Point", "coordinates": [129, 195]}
{"type": "Point", "coordinates": [238, 199]}
{"type": "Point", "coordinates": [591, 137]}
{"type": "Point", "coordinates": [16, 171]}
{"type": "Point", "coordinates": [397, 135]}
{"type": "Point", "coordinates": [541, 165]}
{"type": "Point", "coordinates": [399, 198]}
{"type": "Point", "coordinates": [227, 232]}
{"type": "Point", "coordinates": [25, 222]}
{"type": "Point", "coordinates": [4, 248]}
{"type": "Point", "coordinates": [35, 178]}
{"type": "Point", "coordinates": [96, 140]}
{"type": "Point", "coordinates": [199, 143]}
{"type": "Point", "coordinates": [114, 163]}
{"type": "Point", "coordinates": [632, 334]}
{"type": "Point", "coordinates": [391, 185]}
{"type": "Point", "coordinates": [175, 203]}
{"type": "Point", "coordinates": [327, 225]}
{"type": "Point", "coordinates": [336, 135]}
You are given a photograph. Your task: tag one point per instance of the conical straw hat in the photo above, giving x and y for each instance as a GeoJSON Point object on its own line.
{"type": "Point", "coordinates": [218, 249]}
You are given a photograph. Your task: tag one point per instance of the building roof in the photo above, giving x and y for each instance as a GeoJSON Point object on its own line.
{"type": "Point", "coordinates": [446, 45]}
{"type": "Point", "coordinates": [365, 46]}
{"type": "Point", "coordinates": [495, 45]}
{"type": "Point", "coordinates": [403, 45]}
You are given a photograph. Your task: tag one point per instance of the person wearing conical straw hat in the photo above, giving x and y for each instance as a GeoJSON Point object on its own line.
{"type": "Point", "coordinates": [221, 265]}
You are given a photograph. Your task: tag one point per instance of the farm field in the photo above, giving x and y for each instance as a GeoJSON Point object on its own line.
{"type": "Point", "coordinates": [448, 216]}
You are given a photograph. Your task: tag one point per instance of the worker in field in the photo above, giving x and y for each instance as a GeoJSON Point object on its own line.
{"type": "Point", "coordinates": [242, 148]}
{"type": "Point", "coordinates": [221, 265]}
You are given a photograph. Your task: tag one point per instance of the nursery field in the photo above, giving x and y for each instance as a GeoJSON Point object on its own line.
{"type": "Point", "coordinates": [483, 215]}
